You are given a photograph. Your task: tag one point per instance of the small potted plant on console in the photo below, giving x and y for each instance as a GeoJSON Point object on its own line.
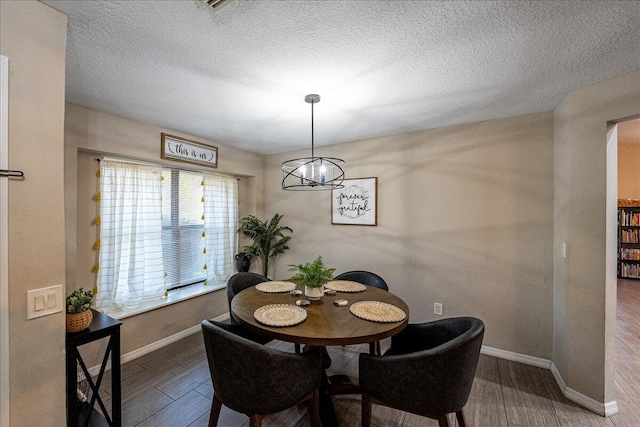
{"type": "Point", "coordinates": [79, 315]}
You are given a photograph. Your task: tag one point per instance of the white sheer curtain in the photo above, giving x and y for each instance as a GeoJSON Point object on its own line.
{"type": "Point", "coordinates": [130, 261]}
{"type": "Point", "coordinates": [220, 226]}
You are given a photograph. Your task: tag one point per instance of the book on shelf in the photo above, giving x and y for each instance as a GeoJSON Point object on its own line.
{"type": "Point", "coordinates": [631, 271]}
{"type": "Point", "coordinates": [629, 254]}
{"type": "Point", "coordinates": [630, 236]}
{"type": "Point", "coordinates": [629, 218]}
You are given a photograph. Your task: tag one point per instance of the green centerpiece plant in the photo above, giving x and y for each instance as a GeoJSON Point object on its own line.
{"type": "Point", "coordinates": [268, 238]}
{"type": "Point", "coordinates": [312, 276]}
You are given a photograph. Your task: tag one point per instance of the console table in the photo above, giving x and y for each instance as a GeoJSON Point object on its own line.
{"type": "Point", "coordinates": [102, 326]}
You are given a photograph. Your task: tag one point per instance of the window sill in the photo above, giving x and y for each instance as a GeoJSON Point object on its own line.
{"type": "Point", "coordinates": [175, 296]}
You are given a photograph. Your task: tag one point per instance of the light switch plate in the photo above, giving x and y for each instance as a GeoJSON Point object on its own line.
{"type": "Point", "coordinates": [39, 306]}
{"type": "Point", "coordinates": [44, 301]}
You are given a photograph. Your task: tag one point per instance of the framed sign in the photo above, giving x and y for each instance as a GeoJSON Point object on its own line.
{"type": "Point", "coordinates": [185, 150]}
{"type": "Point", "coordinates": [356, 203]}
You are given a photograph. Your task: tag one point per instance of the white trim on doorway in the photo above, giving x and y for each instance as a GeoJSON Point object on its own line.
{"type": "Point", "coordinates": [4, 243]}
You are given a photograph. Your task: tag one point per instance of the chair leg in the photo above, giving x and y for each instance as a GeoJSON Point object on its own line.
{"type": "Point", "coordinates": [443, 421]}
{"type": "Point", "coordinates": [378, 348]}
{"type": "Point", "coordinates": [297, 347]}
{"type": "Point", "coordinates": [372, 348]}
{"type": "Point", "coordinates": [314, 408]}
{"type": "Point", "coordinates": [460, 417]}
{"type": "Point", "coordinates": [366, 410]}
{"type": "Point", "coordinates": [255, 421]}
{"type": "Point", "coordinates": [216, 406]}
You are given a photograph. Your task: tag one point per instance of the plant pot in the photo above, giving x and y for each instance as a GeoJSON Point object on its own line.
{"type": "Point", "coordinates": [77, 322]}
{"type": "Point", "coordinates": [243, 262]}
{"type": "Point", "coordinates": [314, 294]}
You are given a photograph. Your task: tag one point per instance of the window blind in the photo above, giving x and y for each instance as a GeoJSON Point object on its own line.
{"type": "Point", "coordinates": [182, 227]}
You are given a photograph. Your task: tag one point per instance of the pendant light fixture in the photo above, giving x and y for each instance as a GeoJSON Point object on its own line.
{"type": "Point", "coordinates": [312, 173]}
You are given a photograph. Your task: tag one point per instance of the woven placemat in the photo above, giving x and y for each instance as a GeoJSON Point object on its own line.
{"type": "Point", "coordinates": [280, 315]}
{"type": "Point", "coordinates": [377, 311]}
{"type": "Point", "coordinates": [345, 286]}
{"type": "Point", "coordinates": [275, 287]}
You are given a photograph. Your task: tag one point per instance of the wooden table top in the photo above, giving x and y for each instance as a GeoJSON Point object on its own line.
{"type": "Point", "coordinates": [326, 324]}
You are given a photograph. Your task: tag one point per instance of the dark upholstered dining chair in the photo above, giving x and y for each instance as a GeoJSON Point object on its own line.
{"type": "Point", "coordinates": [256, 380]}
{"type": "Point", "coordinates": [365, 277]}
{"type": "Point", "coordinates": [237, 283]}
{"type": "Point", "coordinates": [428, 370]}
{"type": "Point", "coordinates": [369, 279]}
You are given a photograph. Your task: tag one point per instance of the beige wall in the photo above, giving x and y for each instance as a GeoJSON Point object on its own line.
{"type": "Point", "coordinates": [33, 37]}
{"type": "Point", "coordinates": [629, 171]}
{"type": "Point", "coordinates": [585, 218]}
{"type": "Point", "coordinates": [95, 131]}
{"type": "Point", "coordinates": [465, 218]}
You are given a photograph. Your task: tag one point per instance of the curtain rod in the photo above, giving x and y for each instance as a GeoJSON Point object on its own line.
{"type": "Point", "coordinates": [98, 159]}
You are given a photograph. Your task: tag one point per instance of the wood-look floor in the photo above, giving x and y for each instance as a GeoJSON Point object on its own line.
{"type": "Point", "coordinates": [171, 387]}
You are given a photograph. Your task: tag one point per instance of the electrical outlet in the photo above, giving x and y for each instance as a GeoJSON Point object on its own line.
{"type": "Point", "coordinates": [437, 308]}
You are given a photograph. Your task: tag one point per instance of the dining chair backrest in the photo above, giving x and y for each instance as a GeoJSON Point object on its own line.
{"type": "Point", "coordinates": [254, 379]}
{"type": "Point", "coordinates": [239, 282]}
{"type": "Point", "coordinates": [365, 277]}
{"type": "Point", "coordinates": [428, 370]}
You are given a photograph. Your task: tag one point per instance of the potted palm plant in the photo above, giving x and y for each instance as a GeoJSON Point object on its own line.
{"type": "Point", "coordinates": [79, 315]}
{"type": "Point", "coordinates": [268, 238]}
{"type": "Point", "coordinates": [312, 276]}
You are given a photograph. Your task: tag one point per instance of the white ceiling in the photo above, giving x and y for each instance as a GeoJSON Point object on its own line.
{"type": "Point", "coordinates": [239, 76]}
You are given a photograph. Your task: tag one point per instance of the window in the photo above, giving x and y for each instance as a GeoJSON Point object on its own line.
{"type": "Point", "coordinates": [162, 229]}
{"type": "Point", "coordinates": [182, 228]}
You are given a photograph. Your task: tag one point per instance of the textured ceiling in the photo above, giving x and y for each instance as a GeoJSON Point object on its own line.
{"type": "Point", "coordinates": [239, 76]}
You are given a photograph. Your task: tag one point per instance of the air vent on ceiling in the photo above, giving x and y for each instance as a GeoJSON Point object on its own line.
{"type": "Point", "coordinates": [216, 4]}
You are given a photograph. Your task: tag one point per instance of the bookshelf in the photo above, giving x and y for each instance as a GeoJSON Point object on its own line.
{"type": "Point", "coordinates": [629, 239]}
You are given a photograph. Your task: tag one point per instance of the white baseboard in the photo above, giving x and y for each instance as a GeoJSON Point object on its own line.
{"type": "Point", "coordinates": [516, 357]}
{"type": "Point", "coordinates": [132, 355]}
{"type": "Point", "coordinates": [604, 409]}
{"type": "Point", "coordinates": [559, 379]}
{"type": "Point", "coordinates": [611, 408]}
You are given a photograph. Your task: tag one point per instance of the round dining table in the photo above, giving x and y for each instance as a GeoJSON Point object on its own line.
{"type": "Point", "coordinates": [326, 324]}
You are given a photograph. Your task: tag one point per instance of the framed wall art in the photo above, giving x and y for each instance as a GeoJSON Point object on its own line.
{"type": "Point", "coordinates": [356, 203]}
{"type": "Point", "coordinates": [188, 151]}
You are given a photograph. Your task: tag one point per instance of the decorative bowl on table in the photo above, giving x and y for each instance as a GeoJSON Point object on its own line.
{"type": "Point", "coordinates": [77, 322]}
